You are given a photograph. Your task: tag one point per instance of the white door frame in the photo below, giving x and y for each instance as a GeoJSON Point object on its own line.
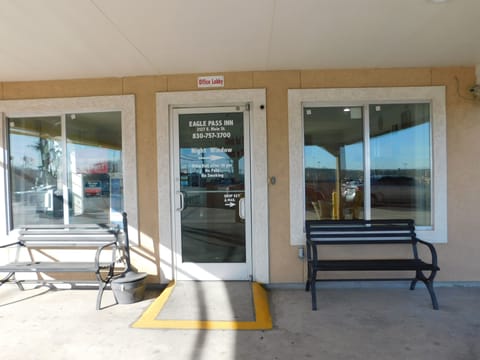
{"type": "Point", "coordinates": [259, 178]}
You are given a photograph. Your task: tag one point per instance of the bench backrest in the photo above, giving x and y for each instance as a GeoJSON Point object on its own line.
{"type": "Point", "coordinates": [68, 235]}
{"type": "Point", "coordinates": [338, 232]}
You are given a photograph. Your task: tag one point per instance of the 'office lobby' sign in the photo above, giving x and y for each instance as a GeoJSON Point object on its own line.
{"type": "Point", "coordinates": [210, 81]}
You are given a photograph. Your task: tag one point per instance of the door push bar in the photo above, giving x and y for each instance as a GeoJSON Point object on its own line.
{"type": "Point", "coordinates": [182, 201]}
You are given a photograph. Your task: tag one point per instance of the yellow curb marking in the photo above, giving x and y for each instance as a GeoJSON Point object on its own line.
{"type": "Point", "coordinates": [262, 315]}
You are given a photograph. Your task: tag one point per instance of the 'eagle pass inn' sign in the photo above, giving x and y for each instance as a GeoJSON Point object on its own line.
{"type": "Point", "coordinates": [210, 81]}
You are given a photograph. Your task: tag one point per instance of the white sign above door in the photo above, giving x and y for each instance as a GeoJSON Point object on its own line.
{"type": "Point", "coordinates": [211, 81]}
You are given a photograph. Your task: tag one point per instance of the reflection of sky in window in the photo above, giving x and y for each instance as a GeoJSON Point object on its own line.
{"type": "Point", "coordinates": [407, 148]}
{"type": "Point", "coordinates": [23, 152]}
{"type": "Point", "coordinates": [89, 158]}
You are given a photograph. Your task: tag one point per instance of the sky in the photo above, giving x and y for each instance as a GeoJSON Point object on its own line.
{"type": "Point", "coordinates": [404, 149]}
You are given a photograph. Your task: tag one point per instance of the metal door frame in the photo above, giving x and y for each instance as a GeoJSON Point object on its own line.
{"type": "Point", "coordinates": [209, 271]}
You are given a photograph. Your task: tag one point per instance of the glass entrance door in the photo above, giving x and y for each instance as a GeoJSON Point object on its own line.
{"type": "Point", "coordinates": [212, 207]}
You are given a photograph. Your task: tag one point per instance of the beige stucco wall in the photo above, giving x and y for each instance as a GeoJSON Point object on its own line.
{"type": "Point", "coordinates": [458, 258]}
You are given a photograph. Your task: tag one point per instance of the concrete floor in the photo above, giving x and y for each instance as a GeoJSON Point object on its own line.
{"type": "Point", "coordinates": [205, 300]}
{"type": "Point", "coordinates": [360, 323]}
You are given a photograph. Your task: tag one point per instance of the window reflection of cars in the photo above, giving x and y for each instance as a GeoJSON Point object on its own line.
{"type": "Point", "coordinates": [93, 188]}
{"type": "Point", "coordinates": [398, 190]}
{"type": "Point", "coordinates": [388, 190]}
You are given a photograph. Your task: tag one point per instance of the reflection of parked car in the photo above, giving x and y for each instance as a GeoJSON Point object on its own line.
{"type": "Point", "coordinates": [388, 190]}
{"type": "Point", "coordinates": [395, 190]}
{"type": "Point", "coordinates": [93, 188]}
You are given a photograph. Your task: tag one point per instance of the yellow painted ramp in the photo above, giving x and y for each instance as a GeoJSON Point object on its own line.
{"type": "Point", "coordinates": [218, 306]}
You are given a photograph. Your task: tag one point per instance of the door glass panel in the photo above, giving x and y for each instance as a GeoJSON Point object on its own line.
{"type": "Point", "coordinates": [333, 156]}
{"type": "Point", "coordinates": [400, 162]}
{"type": "Point", "coordinates": [35, 170]}
{"type": "Point", "coordinates": [212, 187]}
{"type": "Point", "coordinates": [94, 176]}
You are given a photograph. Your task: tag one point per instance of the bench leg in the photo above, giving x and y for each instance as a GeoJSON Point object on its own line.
{"type": "Point", "coordinates": [11, 278]}
{"type": "Point", "coordinates": [101, 289]}
{"type": "Point", "coordinates": [429, 285]}
{"type": "Point", "coordinates": [310, 285]}
{"type": "Point", "coordinates": [428, 281]}
{"type": "Point", "coordinates": [102, 284]}
{"type": "Point", "coordinates": [413, 284]}
{"type": "Point", "coordinates": [6, 278]}
{"type": "Point", "coordinates": [307, 284]}
{"type": "Point", "coordinates": [313, 290]}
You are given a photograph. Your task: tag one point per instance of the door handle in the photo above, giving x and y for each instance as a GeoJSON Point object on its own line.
{"type": "Point", "coordinates": [241, 208]}
{"type": "Point", "coordinates": [182, 201]}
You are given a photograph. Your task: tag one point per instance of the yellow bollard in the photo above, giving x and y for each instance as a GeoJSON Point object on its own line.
{"type": "Point", "coordinates": [335, 207]}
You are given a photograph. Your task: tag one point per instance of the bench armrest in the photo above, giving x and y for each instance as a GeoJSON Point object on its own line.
{"type": "Point", "coordinates": [101, 248]}
{"type": "Point", "coordinates": [433, 252]}
{"type": "Point", "coordinates": [111, 265]}
{"type": "Point", "coordinates": [312, 254]}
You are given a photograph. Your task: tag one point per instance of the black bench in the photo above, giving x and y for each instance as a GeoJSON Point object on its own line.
{"type": "Point", "coordinates": [362, 232]}
{"type": "Point", "coordinates": [106, 240]}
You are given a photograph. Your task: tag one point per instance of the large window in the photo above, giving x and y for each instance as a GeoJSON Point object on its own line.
{"type": "Point", "coordinates": [64, 169]}
{"type": "Point", "coordinates": [68, 161]}
{"type": "Point", "coordinates": [397, 177]}
{"type": "Point", "coordinates": [369, 154]}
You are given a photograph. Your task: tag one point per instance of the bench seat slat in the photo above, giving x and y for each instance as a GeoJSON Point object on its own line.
{"type": "Point", "coordinates": [67, 232]}
{"type": "Point", "coordinates": [46, 267]}
{"type": "Point", "coordinates": [319, 234]}
{"type": "Point", "coordinates": [68, 226]}
{"type": "Point", "coordinates": [374, 265]}
{"type": "Point", "coordinates": [56, 238]}
{"type": "Point", "coordinates": [359, 233]}
{"type": "Point", "coordinates": [348, 241]}
{"type": "Point", "coordinates": [348, 228]}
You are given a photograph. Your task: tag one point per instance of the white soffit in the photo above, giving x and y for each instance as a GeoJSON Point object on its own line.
{"type": "Point", "coordinates": [197, 36]}
{"type": "Point", "coordinates": [376, 33]}
{"type": "Point", "coordinates": [62, 39]}
{"type": "Point", "coordinates": [58, 39]}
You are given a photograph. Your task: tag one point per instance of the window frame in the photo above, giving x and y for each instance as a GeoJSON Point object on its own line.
{"type": "Point", "coordinates": [60, 107]}
{"type": "Point", "coordinates": [435, 95]}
